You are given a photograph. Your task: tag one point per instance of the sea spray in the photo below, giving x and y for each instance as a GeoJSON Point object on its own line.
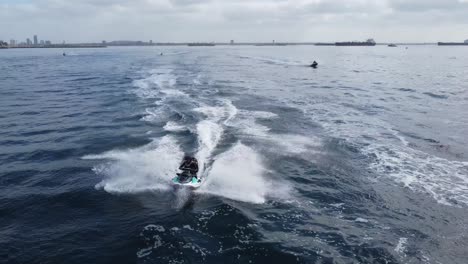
{"type": "Point", "coordinates": [150, 167]}
{"type": "Point", "coordinates": [210, 130]}
{"type": "Point", "coordinates": [237, 174]}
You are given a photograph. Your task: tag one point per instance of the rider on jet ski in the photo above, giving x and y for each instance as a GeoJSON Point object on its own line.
{"type": "Point", "coordinates": [189, 166]}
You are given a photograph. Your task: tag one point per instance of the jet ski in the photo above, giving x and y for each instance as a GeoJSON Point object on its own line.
{"type": "Point", "coordinates": [188, 176]}
{"type": "Point", "coordinates": [314, 65]}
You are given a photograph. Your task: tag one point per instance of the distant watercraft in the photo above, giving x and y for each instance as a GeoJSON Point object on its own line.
{"type": "Point", "coordinates": [369, 42]}
{"type": "Point", "coordinates": [324, 44]}
{"type": "Point", "coordinates": [392, 45]}
{"type": "Point", "coordinates": [452, 43]}
{"type": "Point", "coordinates": [201, 44]}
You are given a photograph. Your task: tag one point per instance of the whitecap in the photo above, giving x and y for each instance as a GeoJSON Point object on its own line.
{"type": "Point", "coordinates": [401, 246]}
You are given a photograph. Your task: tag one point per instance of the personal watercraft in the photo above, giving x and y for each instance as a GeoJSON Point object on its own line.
{"type": "Point", "coordinates": [188, 176]}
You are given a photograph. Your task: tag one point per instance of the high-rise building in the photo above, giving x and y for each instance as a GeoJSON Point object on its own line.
{"type": "Point", "coordinates": [12, 42]}
{"type": "Point", "coordinates": [47, 42]}
{"type": "Point", "coordinates": [232, 42]}
{"type": "Point", "coordinates": [35, 40]}
{"type": "Point", "coordinates": [28, 41]}
{"type": "Point", "coordinates": [42, 42]}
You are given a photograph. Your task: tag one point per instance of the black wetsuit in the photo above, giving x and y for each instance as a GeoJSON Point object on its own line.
{"type": "Point", "coordinates": [190, 165]}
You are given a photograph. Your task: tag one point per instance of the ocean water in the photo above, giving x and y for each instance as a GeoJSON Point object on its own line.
{"type": "Point", "coordinates": [363, 160]}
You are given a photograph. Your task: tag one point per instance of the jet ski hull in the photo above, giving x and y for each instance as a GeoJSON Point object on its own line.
{"type": "Point", "coordinates": [191, 182]}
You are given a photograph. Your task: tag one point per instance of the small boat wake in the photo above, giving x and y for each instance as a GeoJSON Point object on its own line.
{"type": "Point", "coordinates": [238, 173]}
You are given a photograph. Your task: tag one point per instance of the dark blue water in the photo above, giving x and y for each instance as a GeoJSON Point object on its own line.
{"type": "Point", "coordinates": [363, 160]}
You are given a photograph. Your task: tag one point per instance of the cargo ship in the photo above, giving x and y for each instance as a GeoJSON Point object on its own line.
{"type": "Point", "coordinates": [465, 43]}
{"type": "Point", "coordinates": [369, 42]}
{"type": "Point", "coordinates": [201, 44]}
{"type": "Point", "coordinates": [324, 44]}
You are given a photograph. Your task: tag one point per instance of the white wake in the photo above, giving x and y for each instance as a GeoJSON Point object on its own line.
{"type": "Point", "coordinates": [147, 168]}
{"type": "Point", "coordinates": [237, 174]}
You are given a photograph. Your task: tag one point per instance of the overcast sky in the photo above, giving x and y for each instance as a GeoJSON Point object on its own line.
{"type": "Point", "coordinates": [241, 20]}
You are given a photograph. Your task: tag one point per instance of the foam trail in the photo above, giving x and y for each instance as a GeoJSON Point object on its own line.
{"type": "Point", "coordinates": [209, 135]}
{"type": "Point", "coordinates": [210, 130]}
{"type": "Point", "coordinates": [173, 92]}
{"type": "Point", "coordinates": [246, 123]}
{"type": "Point", "coordinates": [445, 180]}
{"type": "Point", "coordinates": [151, 86]}
{"type": "Point", "coordinates": [150, 167]}
{"type": "Point", "coordinates": [237, 174]}
{"type": "Point", "coordinates": [276, 61]}
{"type": "Point", "coordinates": [156, 114]}
{"type": "Point", "coordinates": [224, 113]}
{"type": "Point", "coordinates": [174, 127]}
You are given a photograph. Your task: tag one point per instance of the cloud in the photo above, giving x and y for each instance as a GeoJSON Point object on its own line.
{"type": "Point", "coordinates": [245, 20]}
{"type": "Point", "coordinates": [427, 5]}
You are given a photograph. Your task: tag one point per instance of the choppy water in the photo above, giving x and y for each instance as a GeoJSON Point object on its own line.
{"type": "Point", "coordinates": [363, 160]}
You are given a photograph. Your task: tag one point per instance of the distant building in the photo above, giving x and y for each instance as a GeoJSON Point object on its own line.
{"type": "Point", "coordinates": [12, 42]}
{"type": "Point", "coordinates": [232, 42]}
{"type": "Point", "coordinates": [35, 40]}
{"type": "Point", "coordinates": [104, 42]}
{"type": "Point", "coordinates": [151, 42]}
{"type": "Point", "coordinates": [466, 41]}
{"type": "Point", "coordinates": [47, 42]}
{"type": "Point", "coordinates": [28, 41]}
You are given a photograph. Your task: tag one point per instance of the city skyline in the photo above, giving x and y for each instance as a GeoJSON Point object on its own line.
{"type": "Point", "coordinates": [245, 21]}
{"type": "Point", "coordinates": [40, 42]}
{"type": "Point", "coordinates": [36, 41]}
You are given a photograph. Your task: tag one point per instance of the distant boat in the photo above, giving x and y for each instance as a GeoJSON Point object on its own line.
{"type": "Point", "coordinates": [201, 44]}
{"type": "Point", "coordinates": [369, 42]}
{"type": "Point", "coordinates": [453, 43]}
{"type": "Point", "coordinates": [392, 45]}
